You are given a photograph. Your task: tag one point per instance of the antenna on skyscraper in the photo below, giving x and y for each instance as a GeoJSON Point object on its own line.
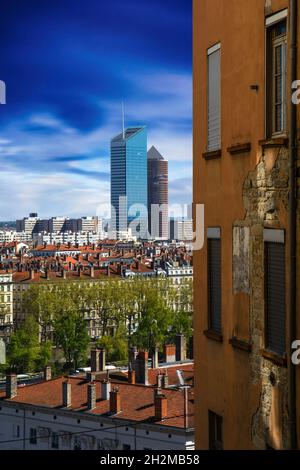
{"type": "Point", "coordinates": [123, 120]}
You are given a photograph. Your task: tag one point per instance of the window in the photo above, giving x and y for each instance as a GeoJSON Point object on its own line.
{"type": "Point", "coordinates": [275, 298]}
{"type": "Point", "coordinates": [126, 447]}
{"type": "Point", "coordinates": [77, 444]}
{"type": "Point", "coordinates": [33, 436]}
{"type": "Point", "coordinates": [16, 430]}
{"type": "Point", "coordinates": [54, 440]}
{"type": "Point", "coordinates": [215, 431]}
{"type": "Point", "coordinates": [214, 280]}
{"type": "Point", "coordinates": [276, 82]}
{"type": "Point", "coordinates": [214, 98]}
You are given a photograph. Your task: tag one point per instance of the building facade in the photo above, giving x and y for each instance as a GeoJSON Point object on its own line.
{"type": "Point", "coordinates": [129, 197]}
{"type": "Point", "coordinates": [245, 157]}
{"type": "Point", "coordinates": [158, 195]}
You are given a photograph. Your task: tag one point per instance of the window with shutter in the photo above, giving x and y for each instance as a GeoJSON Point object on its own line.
{"type": "Point", "coordinates": [214, 98]}
{"type": "Point", "coordinates": [276, 78]}
{"type": "Point", "coordinates": [275, 297]}
{"type": "Point", "coordinates": [214, 280]}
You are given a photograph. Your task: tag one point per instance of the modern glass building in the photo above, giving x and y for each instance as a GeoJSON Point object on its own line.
{"type": "Point", "coordinates": [129, 193]}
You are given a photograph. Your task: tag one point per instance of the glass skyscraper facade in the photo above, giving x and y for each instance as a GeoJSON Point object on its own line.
{"type": "Point", "coordinates": [129, 192]}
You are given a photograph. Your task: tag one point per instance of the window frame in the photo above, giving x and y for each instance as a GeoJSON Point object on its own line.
{"type": "Point", "coordinates": [270, 46]}
{"type": "Point", "coordinates": [274, 237]}
{"type": "Point", "coordinates": [213, 234]}
{"type": "Point", "coordinates": [210, 51]}
{"type": "Point", "coordinates": [215, 424]}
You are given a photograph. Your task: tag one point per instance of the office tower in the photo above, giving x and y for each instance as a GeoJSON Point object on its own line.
{"type": "Point", "coordinates": [247, 307]}
{"type": "Point", "coordinates": [181, 229]}
{"type": "Point", "coordinates": [27, 224]}
{"type": "Point", "coordinates": [129, 181]}
{"type": "Point", "coordinates": [57, 224]}
{"type": "Point", "coordinates": [157, 194]}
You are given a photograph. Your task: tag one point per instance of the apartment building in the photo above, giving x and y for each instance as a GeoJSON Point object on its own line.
{"type": "Point", "coordinates": [6, 305]}
{"type": "Point", "coordinates": [247, 311]}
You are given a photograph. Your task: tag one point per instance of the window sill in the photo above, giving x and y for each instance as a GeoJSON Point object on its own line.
{"type": "Point", "coordinates": [275, 142]}
{"type": "Point", "coordinates": [239, 148]}
{"type": "Point", "coordinates": [240, 344]}
{"type": "Point", "coordinates": [213, 335]}
{"type": "Point", "coordinates": [274, 358]}
{"type": "Point", "coordinates": [212, 155]}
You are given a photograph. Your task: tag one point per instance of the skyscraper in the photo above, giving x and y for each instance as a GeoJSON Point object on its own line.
{"type": "Point", "coordinates": [129, 181]}
{"type": "Point", "coordinates": [157, 194]}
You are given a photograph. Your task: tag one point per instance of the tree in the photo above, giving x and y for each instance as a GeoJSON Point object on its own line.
{"type": "Point", "coordinates": [154, 323]}
{"type": "Point", "coordinates": [25, 353]}
{"type": "Point", "coordinates": [70, 331]}
{"type": "Point", "coordinates": [116, 346]}
{"type": "Point", "coordinates": [41, 302]}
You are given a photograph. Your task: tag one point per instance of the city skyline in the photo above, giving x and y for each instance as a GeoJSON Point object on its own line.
{"type": "Point", "coordinates": [60, 117]}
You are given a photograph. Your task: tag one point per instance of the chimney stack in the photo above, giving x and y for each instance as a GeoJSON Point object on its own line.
{"type": "Point", "coordinates": [141, 368]}
{"type": "Point", "coordinates": [115, 401]}
{"type": "Point", "coordinates": [105, 389]}
{"type": "Point", "coordinates": [47, 373]}
{"type": "Point", "coordinates": [160, 406]}
{"type": "Point", "coordinates": [92, 272]}
{"type": "Point", "coordinates": [155, 359]}
{"type": "Point", "coordinates": [67, 393]}
{"type": "Point", "coordinates": [11, 385]}
{"type": "Point", "coordinates": [90, 376]}
{"type": "Point", "coordinates": [98, 360]}
{"type": "Point", "coordinates": [170, 353]}
{"type": "Point", "coordinates": [91, 396]}
{"type": "Point", "coordinates": [131, 375]}
{"type": "Point", "coordinates": [165, 380]}
{"type": "Point", "coordinates": [180, 348]}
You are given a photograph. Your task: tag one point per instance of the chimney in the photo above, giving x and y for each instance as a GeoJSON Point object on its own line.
{"type": "Point", "coordinates": [92, 272]}
{"type": "Point", "coordinates": [115, 401]}
{"type": "Point", "coordinates": [132, 353]}
{"type": "Point", "coordinates": [169, 353]}
{"type": "Point", "coordinates": [47, 373]}
{"type": "Point", "coordinates": [102, 360]}
{"type": "Point", "coordinates": [11, 385]}
{"type": "Point", "coordinates": [105, 389]}
{"type": "Point", "coordinates": [159, 381]}
{"type": "Point", "coordinates": [91, 396]}
{"type": "Point", "coordinates": [141, 368]}
{"type": "Point", "coordinates": [180, 348]}
{"type": "Point", "coordinates": [67, 393]}
{"type": "Point", "coordinates": [131, 375]}
{"type": "Point", "coordinates": [165, 380]}
{"type": "Point", "coordinates": [90, 376]}
{"type": "Point", "coordinates": [95, 360]}
{"type": "Point", "coordinates": [161, 407]}
{"type": "Point", "coordinates": [155, 359]}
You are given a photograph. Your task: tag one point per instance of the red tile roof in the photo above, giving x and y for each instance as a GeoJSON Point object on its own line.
{"type": "Point", "coordinates": [137, 401]}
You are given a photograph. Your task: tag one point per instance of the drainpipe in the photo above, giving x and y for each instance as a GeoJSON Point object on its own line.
{"type": "Point", "coordinates": [293, 227]}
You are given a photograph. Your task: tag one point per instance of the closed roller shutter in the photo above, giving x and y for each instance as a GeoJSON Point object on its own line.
{"type": "Point", "coordinates": [275, 297]}
{"type": "Point", "coordinates": [214, 285]}
{"type": "Point", "coordinates": [214, 102]}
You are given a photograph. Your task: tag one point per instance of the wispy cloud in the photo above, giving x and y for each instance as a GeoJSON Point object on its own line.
{"type": "Point", "coordinates": [56, 129]}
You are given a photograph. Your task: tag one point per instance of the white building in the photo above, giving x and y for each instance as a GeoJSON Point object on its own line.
{"type": "Point", "coordinates": [6, 304]}
{"type": "Point", "coordinates": [75, 414]}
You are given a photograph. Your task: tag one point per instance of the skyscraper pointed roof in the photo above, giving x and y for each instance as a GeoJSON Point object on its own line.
{"type": "Point", "coordinates": [153, 154]}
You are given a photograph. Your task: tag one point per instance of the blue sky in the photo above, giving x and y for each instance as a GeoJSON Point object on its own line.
{"type": "Point", "coordinates": [67, 65]}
